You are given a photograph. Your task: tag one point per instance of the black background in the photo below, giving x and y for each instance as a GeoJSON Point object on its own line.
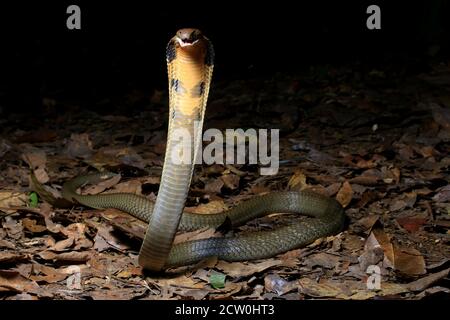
{"type": "Point", "coordinates": [121, 44]}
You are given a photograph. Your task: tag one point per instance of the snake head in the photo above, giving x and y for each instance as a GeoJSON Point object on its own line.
{"type": "Point", "coordinates": [188, 36]}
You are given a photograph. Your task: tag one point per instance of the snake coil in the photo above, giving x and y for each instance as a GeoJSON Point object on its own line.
{"type": "Point", "coordinates": [190, 61]}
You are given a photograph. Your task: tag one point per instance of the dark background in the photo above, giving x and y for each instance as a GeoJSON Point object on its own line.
{"type": "Point", "coordinates": [121, 45]}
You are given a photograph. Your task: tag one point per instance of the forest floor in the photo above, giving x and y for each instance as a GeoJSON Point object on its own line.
{"type": "Point", "coordinates": [377, 140]}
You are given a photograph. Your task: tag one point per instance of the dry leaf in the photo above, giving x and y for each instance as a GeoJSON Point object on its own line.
{"type": "Point", "coordinates": [412, 224]}
{"type": "Point", "coordinates": [297, 181]}
{"type": "Point", "coordinates": [274, 283]}
{"type": "Point", "coordinates": [10, 257]}
{"type": "Point", "coordinates": [427, 281]}
{"type": "Point", "coordinates": [388, 249]}
{"type": "Point", "coordinates": [31, 225]}
{"type": "Point", "coordinates": [211, 207]}
{"type": "Point", "coordinates": [13, 281]}
{"type": "Point", "coordinates": [322, 259]}
{"type": "Point", "coordinates": [231, 181]}
{"type": "Point", "coordinates": [203, 233]}
{"type": "Point", "coordinates": [79, 146]}
{"type": "Point", "coordinates": [13, 228]}
{"type": "Point", "coordinates": [10, 199]}
{"type": "Point", "coordinates": [345, 194]}
{"type": "Point", "coordinates": [240, 269]}
{"type": "Point", "coordinates": [409, 261]}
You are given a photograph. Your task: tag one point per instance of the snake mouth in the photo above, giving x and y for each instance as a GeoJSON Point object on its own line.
{"type": "Point", "coordinates": [188, 37]}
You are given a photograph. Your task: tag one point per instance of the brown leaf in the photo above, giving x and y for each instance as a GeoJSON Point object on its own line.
{"type": "Point", "coordinates": [241, 269]}
{"type": "Point", "coordinates": [322, 259]}
{"type": "Point", "coordinates": [297, 181]}
{"type": "Point", "coordinates": [345, 194]}
{"type": "Point", "coordinates": [385, 242]}
{"type": "Point", "coordinates": [124, 222]}
{"type": "Point", "coordinates": [105, 239]}
{"type": "Point", "coordinates": [409, 261]}
{"type": "Point", "coordinates": [13, 281]}
{"type": "Point", "coordinates": [72, 256]}
{"type": "Point", "coordinates": [31, 225]}
{"type": "Point", "coordinates": [365, 180]}
{"type": "Point", "coordinates": [13, 228]}
{"type": "Point", "coordinates": [367, 222]}
{"type": "Point", "coordinates": [35, 159]}
{"type": "Point", "coordinates": [10, 199]}
{"type": "Point", "coordinates": [10, 257]}
{"type": "Point", "coordinates": [411, 224]}
{"type": "Point", "coordinates": [373, 253]}
{"type": "Point", "coordinates": [103, 185]}
{"type": "Point", "coordinates": [443, 194]}
{"type": "Point", "coordinates": [119, 293]}
{"type": "Point", "coordinates": [48, 274]}
{"type": "Point", "coordinates": [321, 290]}
{"type": "Point", "coordinates": [79, 146]}
{"type": "Point", "coordinates": [212, 207]}
{"type": "Point", "coordinates": [63, 244]}
{"type": "Point", "coordinates": [203, 233]}
{"type": "Point", "coordinates": [214, 186]}
{"type": "Point", "coordinates": [7, 244]}
{"type": "Point", "coordinates": [274, 283]}
{"type": "Point", "coordinates": [427, 281]}
{"type": "Point", "coordinates": [231, 181]}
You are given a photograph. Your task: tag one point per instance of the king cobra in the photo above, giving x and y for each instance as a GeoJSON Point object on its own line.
{"type": "Point", "coordinates": [190, 61]}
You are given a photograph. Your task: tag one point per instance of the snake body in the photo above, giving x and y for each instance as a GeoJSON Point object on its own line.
{"type": "Point", "coordinates": [190, 58]}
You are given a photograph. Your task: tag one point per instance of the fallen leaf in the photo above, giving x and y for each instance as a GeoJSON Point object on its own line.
{"type": "Point", "coordinates": [373, 253]}
{"type": "Point", "coordinates": [345, 194]}
{"type": "Point", "coordinates": [13, 281]}
{"type": "Point", "coordinates": [31, 225]}
{"type": "Point", "coordinates": [411, 224]}
{"type": "Point", "coordinates": [73, 256]}
{"type": "Point", "coordinates": [240, 269]}
{"type": "Point", "coordinates": [427, 281]}
{"type": "Point", "coordinates": [79, 146]}
{"type": "Point", "coordinates": [297, 181]}
{"type": "Point", "coordinates": [388, 248]}
{"type": "Point", "coordinates": [13, 228]}
{"type": "Point", "coordinates": [320, 290]}
{"type": "Point", "coordinates": [47, 274]}
{"type": "Point", "coordinates": [443, 194]}
{"type": "Point", "coordinates": [214, 186]}
{"type": "Point", "coordinates": [35, 159]}
{"type": "Point", "coordinates": [10, 199]}
{"type": "Point", "coordinates": [231, 181]}
{"type": "Point", "coordinates": [10, 257]}
{"type": "Point", "coordinates": [323, 260]}
{"type": "Point", "coordinates": [409, 261]}
{"type": "Point", "coordinates": [211, 207]}
{"type": "Point", "coordinates": [203, 233]}
{"type": "Point", "coordinates": [102, 185]}
{"type": "Point", "coordinates": [105, 239]}
{"type": "Point", "coordinates": [274, 283]}
{"type": "Point", "coordinates": [217, 280]}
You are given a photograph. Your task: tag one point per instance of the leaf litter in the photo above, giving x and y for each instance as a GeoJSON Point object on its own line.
{"type": "Point", "coordinates": [383, 154]}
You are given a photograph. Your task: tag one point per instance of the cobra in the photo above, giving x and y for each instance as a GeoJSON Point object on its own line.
{"type": "Point", "coordinates": [190, 61]}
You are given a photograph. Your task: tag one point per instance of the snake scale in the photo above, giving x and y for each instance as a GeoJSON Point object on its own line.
{"type": "Point", "coordinates": [190, 61]}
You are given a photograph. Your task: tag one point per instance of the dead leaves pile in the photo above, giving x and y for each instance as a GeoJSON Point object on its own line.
{"type": "Point", "coordinates": [390, 172]}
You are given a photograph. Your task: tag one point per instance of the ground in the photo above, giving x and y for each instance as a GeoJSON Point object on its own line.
{"type": "Point", "coordinates": [377, 139]}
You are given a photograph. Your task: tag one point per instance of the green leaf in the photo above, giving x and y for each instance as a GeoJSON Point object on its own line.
{"type": "Point", "coordinates": [34, 199]}
{"type": "Point", "coordinates": [217, 280]}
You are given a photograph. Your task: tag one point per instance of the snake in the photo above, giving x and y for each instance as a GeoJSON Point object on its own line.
{"type": "Point", "coordinates": [190, 61]}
